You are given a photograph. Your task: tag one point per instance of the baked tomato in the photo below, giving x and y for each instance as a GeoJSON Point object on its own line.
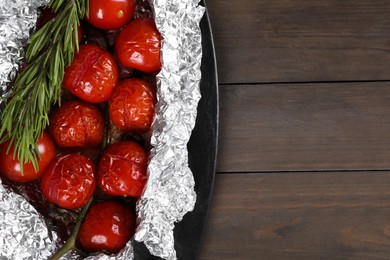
{"type": "Point", "coordinates": [138, 46]}
{"type": "Point", "coordinates": [108, 225]}
{"type": "Point", "coordinates": [10, 167]}
{"type": "Point", "coordinates": [77, 124]}
{"type": "Point", "coordinates": [69, 181]}
{"type": "Point", "coordinates": [132, 105]}
{"type": "Point", "coordinates": [122, 169]}
{"type": "Point", "coordinates": [92, 75]}
{"type": "Point", "coordinates": [110, 14]}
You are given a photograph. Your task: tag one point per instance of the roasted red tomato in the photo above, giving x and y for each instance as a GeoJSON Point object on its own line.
{"type": "Point", "coordinates": [10, 168]}
{"type": "Point", "coordinates": [138, 45]}
{"type": "Point", "coordinates": [110, 14]}
{"type": "Point", "coordinates": [108, 225]}
{"type": "Point", "coordinates": [122, 169]}
{"type": "Point", "coordinates": [77, 124]}
{"type": "Point", "coordinates": [69, 181]}
{"type": "Point", "coordinates": [92, 75]}
{"type": "Point", "coordinates": [131, 106]}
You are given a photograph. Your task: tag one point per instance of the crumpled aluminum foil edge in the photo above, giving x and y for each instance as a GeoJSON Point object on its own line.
{"type": "Point", "coordinates": [169, 193]}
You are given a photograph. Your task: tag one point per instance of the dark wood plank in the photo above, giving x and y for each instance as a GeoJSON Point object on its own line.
{"type": "Point", "coordinates": [299, 216]}
{"type": "Point", "coordinates": [309, 127]}
{"type": "Point", "coordinates": [300, 40]}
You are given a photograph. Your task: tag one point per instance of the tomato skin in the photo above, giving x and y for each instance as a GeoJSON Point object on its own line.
{"type": "Point", "coordinates": [122, 169]}
{"type": "Point", "coordinates": [108, 225]}
{"type": "Point", "coordinates": [110, 14]}
{"type": "Point", "coordinates": [69, 181]}
{"type": "Point", "coordinates": [10, 168]}
{"type": "Point", "coordinates": [138, 46]}
{"type": "Point", "coordinates": [132, 105]}
{"type": "Point", "coordinates": [92, 75]}
{"type": "Point", "coordinates": [77, 124]}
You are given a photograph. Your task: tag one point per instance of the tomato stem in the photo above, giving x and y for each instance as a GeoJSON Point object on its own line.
{"type": "Point", "coordinates": [71, 242]}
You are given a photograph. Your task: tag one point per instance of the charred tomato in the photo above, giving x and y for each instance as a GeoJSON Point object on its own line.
{"type": "Point", "coordinates": [108, 225]}
{"type": "Point", "coordinates": [92, 75]}
{"type": "Point", "coordinates": [77, 124]}
{"type": "Point", "coordinates": [110, 14]}
{"type": "Point", "coordinates": [132, 105]}
{"type": "Point", "coordinates": [10, 167]}
{"type": "Point", "coordinates": [122, 169]}
{"type": "Point", "coordinates": [69, 181]}
{"type": "Point", "coordinates": [138, 45]}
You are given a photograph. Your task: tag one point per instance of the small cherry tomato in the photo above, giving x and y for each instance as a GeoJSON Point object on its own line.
{"type": "Point", "coordinates": [92, 75]}
{"type": "Point", "coordinates": [77, 124]}
{"type": "Point", "coordinates": [11, 168]}
{"type": "Point", "coordinates": [122, 169]}
{"type": "Point", "coordinates": [131, 106]}
{"type": "Point", "coordinates": [69, 181]}
{"type": "Point", "coordinates": [110, 14]}
{"type": "Point", "coordinates": [138, 46]}
{"type": "Point", "coordinates": [108, 225]}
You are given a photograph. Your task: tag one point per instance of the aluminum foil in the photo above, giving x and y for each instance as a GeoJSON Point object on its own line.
{"type": "Point", "coordinates": [17, 18]}
{"type": "Point", "coordinates": [169, 193]}
{"type": "Point", "coordinates": [24, 234]}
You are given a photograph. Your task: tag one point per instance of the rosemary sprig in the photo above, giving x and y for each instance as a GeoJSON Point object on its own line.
{"type": "Point", "coordinates": [51, 49]}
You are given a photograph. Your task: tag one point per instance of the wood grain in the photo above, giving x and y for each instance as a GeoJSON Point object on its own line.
{"type": "Point", "coordinates": [304, 168]}
{"type": "Point", "coordinates": [304, 127]}
{"type": "Point", "coordinates": [299, 216]}
{"type": "Point", "coordinates": [300, 40]}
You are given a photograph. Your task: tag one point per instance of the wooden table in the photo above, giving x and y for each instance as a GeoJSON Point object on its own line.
{"type": "Point", "coordinates": [304, 150]}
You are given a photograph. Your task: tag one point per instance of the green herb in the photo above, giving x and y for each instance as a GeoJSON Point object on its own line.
{"type": "Point", "coordinates": [38, 85]}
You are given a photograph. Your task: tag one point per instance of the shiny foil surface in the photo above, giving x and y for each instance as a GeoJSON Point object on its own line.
{"type": "Point", "coordinates": [169, 193]}
{"type": "Point", "coordinates": [24, 234]}
{"type": "Point", "coordinates": [17, 19]}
